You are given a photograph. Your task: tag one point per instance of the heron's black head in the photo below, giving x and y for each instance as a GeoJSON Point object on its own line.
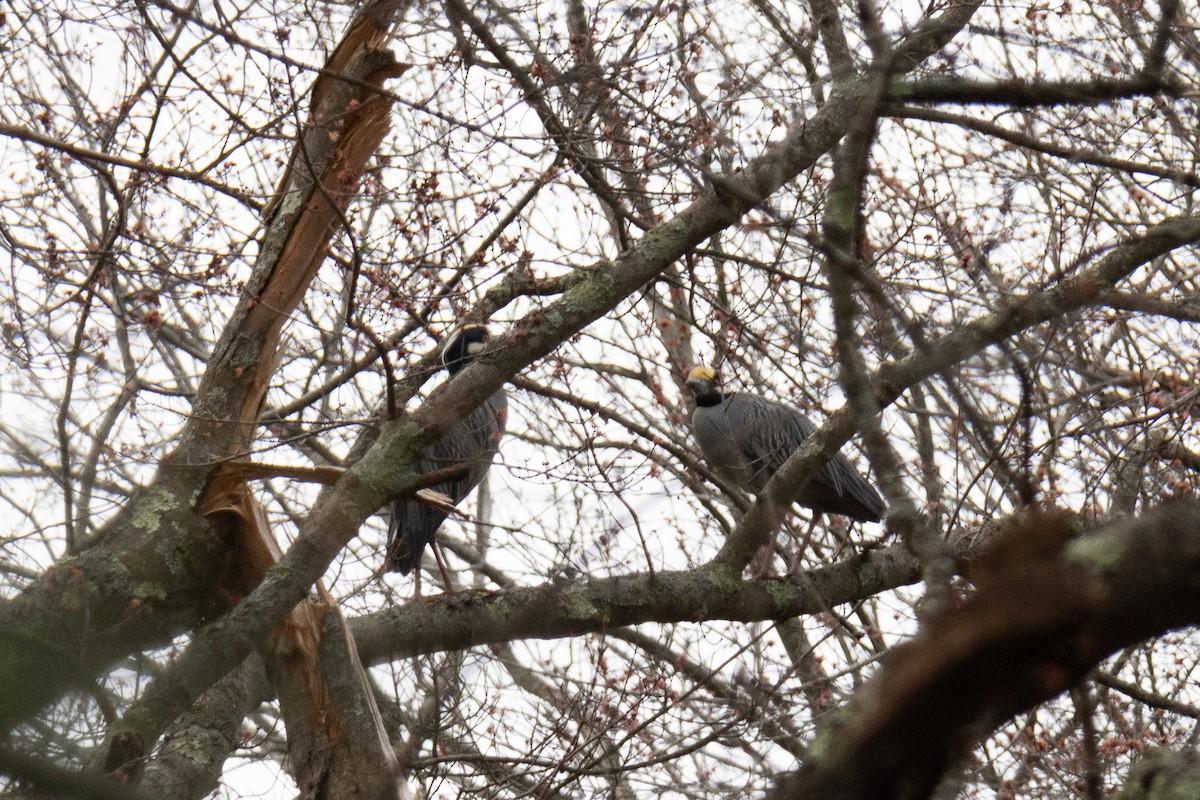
{"type": "Point", "coordinates": [462, 346]}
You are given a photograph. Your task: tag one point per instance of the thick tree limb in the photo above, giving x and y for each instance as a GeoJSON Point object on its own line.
{"type": "Point", "coordinates": [43, 778]}
{"type": "Point", "coordinates": [337, 746]}
{"type": "Point", "coordinates": [553, 611]}
{"type": "Point", "coordinates": [1047, 611]}
{"type": "Point", "coordinates": [1027, 94]}
{"type": "Point", "coordinates": [191, 760]}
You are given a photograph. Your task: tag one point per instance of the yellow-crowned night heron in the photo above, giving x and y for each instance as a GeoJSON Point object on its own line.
{"type": "Point", "coordinates": [471, 443]}
{"type": "Point", "coordinates": [746, 439]}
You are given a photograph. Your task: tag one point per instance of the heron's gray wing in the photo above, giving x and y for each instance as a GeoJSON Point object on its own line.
{"type": "Point", "coordinates": [472, 442]}
{"type": "Point", "coordinates": [771, 432]}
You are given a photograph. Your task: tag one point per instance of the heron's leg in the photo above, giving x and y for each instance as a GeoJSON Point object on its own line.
{"type": "Point", "coordinates": [437, 554]}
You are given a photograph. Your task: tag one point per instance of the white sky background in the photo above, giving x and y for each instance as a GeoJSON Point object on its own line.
{"type": "Point", "coordinates": [556, 489]}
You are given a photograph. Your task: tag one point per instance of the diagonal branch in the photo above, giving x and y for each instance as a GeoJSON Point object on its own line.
{"type": "Point", "coordinates": [90, 156]}
{"type": "Point", "coordinates": [1084, 289]}
{"type": "Point", "coordinates": [1039, 145]}
{"type": "Point", "coordinates": [1156, 59]}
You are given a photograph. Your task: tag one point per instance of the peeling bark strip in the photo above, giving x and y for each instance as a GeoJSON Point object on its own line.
{"type": "Point", "coordinates": [153, 577]}
{"type": "Point", "coordinates": [1038, 624]}
{"type": "Point", "coordinates": [349, 120]}
{"type": "Point", "coordinates": [337, 743]}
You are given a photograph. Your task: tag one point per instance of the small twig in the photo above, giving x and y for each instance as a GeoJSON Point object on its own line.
{"type": "Point", "coordinates": [328, 476]}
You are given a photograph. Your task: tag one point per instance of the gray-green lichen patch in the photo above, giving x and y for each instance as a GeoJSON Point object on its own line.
{"type": "Point", "coordinates": [552, 320]}
{"type": "Point", "coordinates": [501, 608]}
{"type": "Point", "coordinates": [584, 274]}
{"type": "Point", "coordinates": [78, 585]}
{"type": "Point", "coordinates": [387, 466]}
{"type": "Point", "coordinates": [823, 744]}
{"type": "Point", "coordinates": [782, 594]}
{"type": "Point", "coordinates": [723, 578]}
{"type": "Point", "coordinates": [1102, 553]}
{"type": "Point", "coordinates": [174, 556]}
{"type": "Point", "coordinates": [898, 88]}
{"type": "Point", "coordinates": [151, 507]}
{"type": "Point", "coordinates": [580, 606]}
{"type": "Point", "coordinates": [294, 195]}
{"type": "Point", "coordinates": [149, 590]}
{"type": "Point", "coordinates": [192, 749]}
{"type": "Point", "coordinates": [666, 242]}
{"type": "Point", "coordinates": [869, 579]}
{"type": "Point", "coordinates": [842, 206]}
{"type": "Point", "coordinates": [587, 296]}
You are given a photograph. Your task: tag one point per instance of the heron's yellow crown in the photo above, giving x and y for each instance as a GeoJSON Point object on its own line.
{"type": "Point", "coordinates": [702, 374]}
{"type": "Point", "coordinates": [469, 328]}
